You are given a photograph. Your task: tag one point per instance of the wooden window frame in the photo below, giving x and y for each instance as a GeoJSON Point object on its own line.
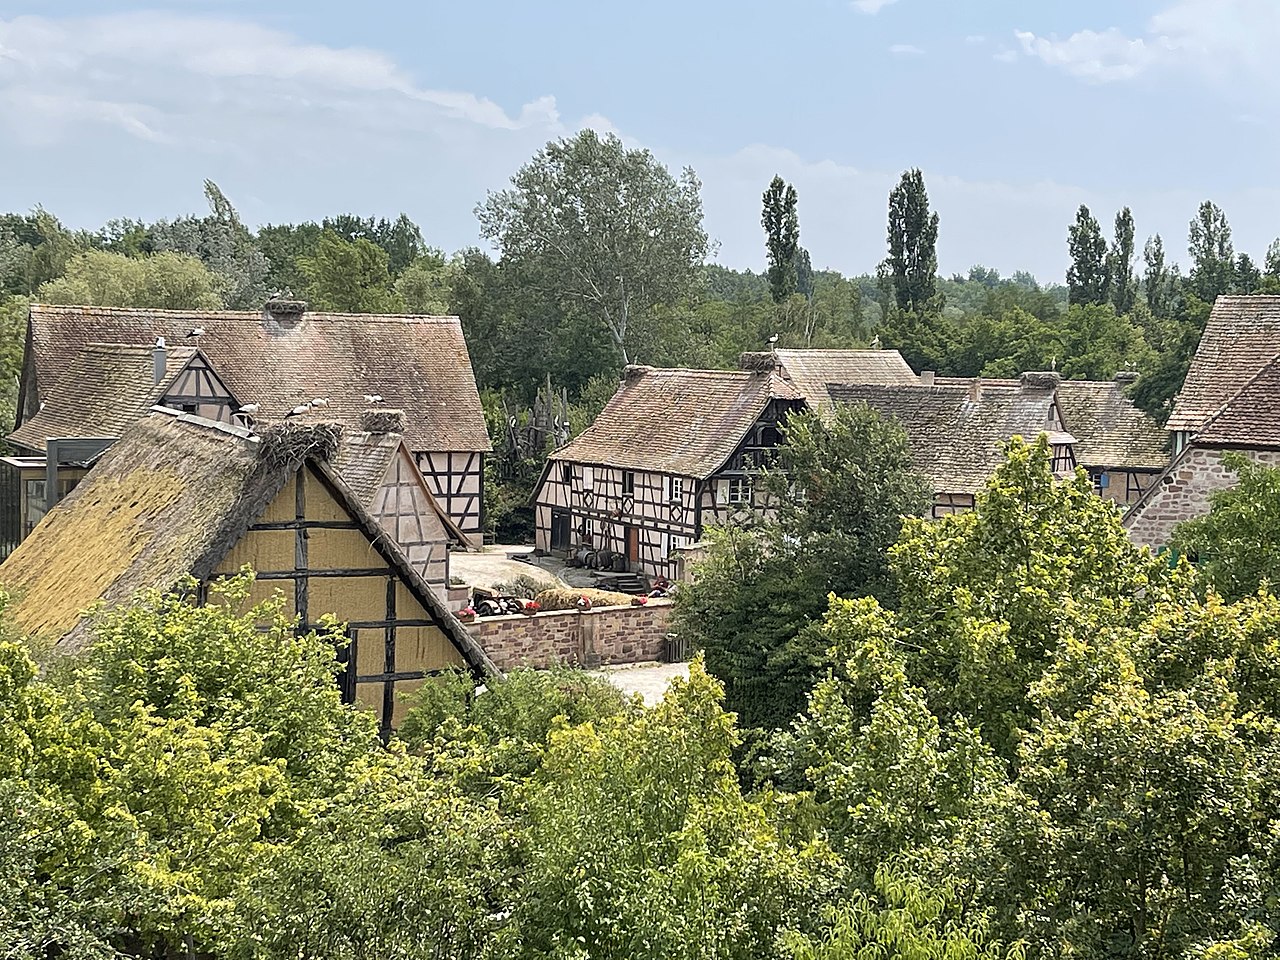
{"type": "Point", "coordinates": [737, 490]}
{"type": "Point", "coordinates": [628, 483]}
{"type": "Point", "coordinates": [675, 489]}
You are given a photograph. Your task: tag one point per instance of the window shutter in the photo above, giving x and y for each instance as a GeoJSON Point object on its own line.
{"type": "Point", "coordinates": [722, 491]}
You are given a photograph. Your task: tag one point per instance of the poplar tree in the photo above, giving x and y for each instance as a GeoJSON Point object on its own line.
{"type": "Point", "coordinates": [1213, 265]}
{"type": "Point", "coordinates": [1124, 285]}
{"type": "Point", "coordinates": [1087, 277]}
{"type": "Point", "coordinates": [913, 243]}
{"type": "Point", "coordinates": [781, 238]}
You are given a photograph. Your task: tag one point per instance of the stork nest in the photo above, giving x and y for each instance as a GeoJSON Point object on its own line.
{"type": "Point", "coordinates": [382, 421]}
{"type": "Point", "coordinates": [1043, 379]}
{"type": "Point", "coordinates": [286, 444]}
{"type": "Point", "coordinates": [758, 362]}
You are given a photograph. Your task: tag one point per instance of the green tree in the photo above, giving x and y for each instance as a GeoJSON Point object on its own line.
{"type": "Point", "coordinates": [605, 230]}
{"type": "Point", "coordinates": [1087, 277]}
{"type": "Point", "coordinates": [1121, 280]}
{"type": "Point", "coordinates": [913, 244]}
{"type": "Point", "coordinates": [1212, 254]}
{"type": "Point", "coordinates": [426, 285]}
{"type": "Point", "coordinates": [842, 485]}
{"type": "Point", "coordinates": [223, 244]}
{"type": "Point", "coordinates": [349, 276]}
{"type": "Point", "coordinates": [781, 238]}
{"type": "Point", "coordinates": [1156, 278]}
{"type": "Point", "coordinates": [171, 281]}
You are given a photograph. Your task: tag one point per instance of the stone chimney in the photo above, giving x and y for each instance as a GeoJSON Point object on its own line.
{"type": "Point", "coordinates": [160, 361]}
{"type": "Point", "coordinates": [1125, 379]}
{"type": "Point", "coordinates": [759, 362]}
{"type": "Point", "coordinates": [382, 421]}
{"type": "Point", "coordinates": [926, 378]}
{"type": "Point", "coordinates": [975, 390]}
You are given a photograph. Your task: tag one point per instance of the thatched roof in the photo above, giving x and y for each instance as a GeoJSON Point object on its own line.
{"type": "Point", "coordinates": [678, 421]}
{"type": "Point", "coordinates": [1241, 337]}
{"type": "Point", "coordinates": [1109, 430]}
{"type": "Point", "coordinates": [284, 359]}
{"type": "Point", "coordinates": [956, 441]}
{"type": "Point", "coordinates": [811, 370]}
{"type": "Point", "coordinates": [169, 500]}
{"type": "Point", "coordinates": [106, 387]}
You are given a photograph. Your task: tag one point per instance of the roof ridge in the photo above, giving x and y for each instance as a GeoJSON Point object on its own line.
{"type": "Point", "coordinates": [257, 315]}
{"type": "Point", "coordinates": [1270, 364]}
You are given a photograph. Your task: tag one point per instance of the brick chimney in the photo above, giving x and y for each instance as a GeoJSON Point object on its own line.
{"type": "Point", "coordinates": [975, 390]}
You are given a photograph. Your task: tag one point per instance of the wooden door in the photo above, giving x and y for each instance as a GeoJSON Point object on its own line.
{"type": "Point", "coordinates": [633, 546]}
{"type": "Point", "coordinates": [559, 530]}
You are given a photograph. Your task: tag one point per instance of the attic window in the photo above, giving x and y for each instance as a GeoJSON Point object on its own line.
{"type": "Point", "coordinates": [628, 483]}
{"type": "Point", "coordinates": [566, 473]}
{"type": "Point", "coordinates": [676, 489]}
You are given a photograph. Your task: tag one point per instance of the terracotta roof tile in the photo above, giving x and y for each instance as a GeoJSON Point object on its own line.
{"type": "Point", "coordinates": [418, 364]}
{"type": "Point", "coordinates": [812, 370]}
{"type": "Point", "coordinates": [1109, 430]}
{"type": "Point", "coordinates": [1251, 418]}
{"type": "Point", "coordinates": [957, 442]}
{"type": "Point", "coordinates": [1241, 337]}
{"type": "Point", "coordinates": [106, 387]}
{"type": "Point", "coordinates": [679, 421]}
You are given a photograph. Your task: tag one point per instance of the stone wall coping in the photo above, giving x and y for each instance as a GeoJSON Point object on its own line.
{"type": "Point", "coordinates": [658, 604]}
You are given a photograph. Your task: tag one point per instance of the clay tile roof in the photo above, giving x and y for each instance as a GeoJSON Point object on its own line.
{"type": "Point", "coordinates": [1109, 430]}
{"type": "Point", "coordinates": [957, 442]}
{"type": "Point", "coordinates": [1241, 337]}
{"type": "Point", "coordinates": [363, 459]}
{"type": "Point", "coordinates": [812, 370]}
{"type": "Point", "coordinates": [417, 364]}
{"type": "Point", "coordinates": [679, 421]}
{"type": "Point", "coordinates": [1250, 418]}
{"type": "Point", "coordinates": [168, 500]}
{"type": "Point", "coordinates": [106, 387]}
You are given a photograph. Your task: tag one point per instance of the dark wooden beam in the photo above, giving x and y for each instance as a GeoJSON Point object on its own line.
{"type": "Point", "coordinates": [300, 560]}
{"type": "Point", "coordinates": [389, 688]}
{"type": "Point", "coordinates": [305, 525]}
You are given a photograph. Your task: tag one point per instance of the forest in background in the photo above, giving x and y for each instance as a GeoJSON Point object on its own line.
{"type": "Point", "coordinates": [602, 259]}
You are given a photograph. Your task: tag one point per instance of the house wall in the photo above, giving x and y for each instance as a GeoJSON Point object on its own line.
{"type": "Point", "coordinates": [1124, 487]}
{"type": "Point", "coordinates": [1183, 494]}
{"type": "Point", "coordinates": [307, 546]}
{"type": "Point", "coordinates": [601, 508]}
{"type": "Point", "coordinates": [456, 481]}
{"type": "Point", "coordinates": [591, 638]}
{"type": "Point", "coordinates": [403, 508]}
{"type": "Point", "coordinates": [199, 391]}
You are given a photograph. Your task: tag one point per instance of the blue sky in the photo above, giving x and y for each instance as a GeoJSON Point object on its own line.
{"type": "Point", "coordinates": [1016, 111]}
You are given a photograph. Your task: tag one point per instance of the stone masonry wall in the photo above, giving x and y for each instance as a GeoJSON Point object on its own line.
{"type": "Point", "coordinates": [1184, 494]}
{"type": "Point", "coordinates": [590, 638]}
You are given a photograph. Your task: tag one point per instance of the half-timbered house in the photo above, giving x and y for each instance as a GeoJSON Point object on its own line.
{"type": "Point", "coordinates": [181, 497]}
{"type": "Point", "coordinates": [1230, 401]}
{"type": "Point", "coordinates": [285, 358]}
{"type": "Point", "coordinates": [1121, 447]}
{"type": "Point", "coordinates": [673, 451]}
{"type": "Point", "coordinates": [956, 432]}
{"type": "Point", "coordinates": [375, 463]}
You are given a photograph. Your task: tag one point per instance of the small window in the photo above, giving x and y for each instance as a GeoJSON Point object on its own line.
{"type": "Point", "coordinates": [675, 543]}
{"type": "Point", "coordinates": [739, 490]}
{"type": "Point", "coordinates": [566, 473]}
{"type": "Point", "coordinates": [675, 489]}
{"type": "Point", "coordinates": [588, 478]}
{"type": "Point", "coordinates": [628, 483]}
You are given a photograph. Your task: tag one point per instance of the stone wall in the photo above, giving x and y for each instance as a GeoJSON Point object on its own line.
{"type": "Point", "coordinates": [1183, 493]}
{"type": "Point", "coordinates": [590, 638]}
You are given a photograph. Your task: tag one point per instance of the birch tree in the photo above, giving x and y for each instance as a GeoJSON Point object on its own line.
{"type": "Point", "coordinates": [603, 229]}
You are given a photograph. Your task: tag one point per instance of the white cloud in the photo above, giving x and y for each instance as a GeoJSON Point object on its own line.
{"type": "Point", "coordinates": [1222, 39]}
{"type": "Point", "coordinates": [1094, 57]}
{"type": "Point", "coordinates": [906, 50]}
{"type": "Point", "coordinates": [872, 6]}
